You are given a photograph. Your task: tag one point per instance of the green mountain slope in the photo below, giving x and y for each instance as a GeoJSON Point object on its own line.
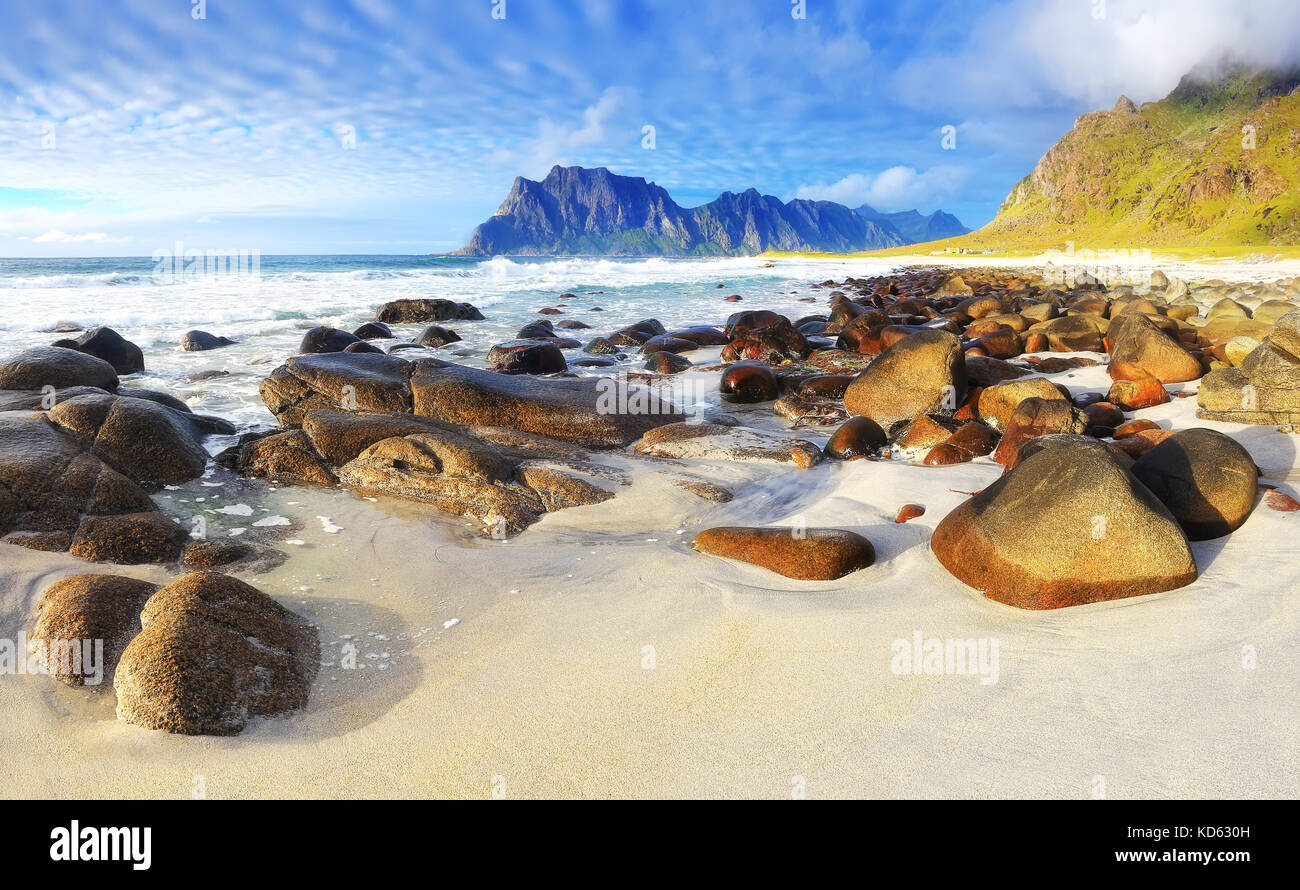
{"type": "Point", "coordinates": [1213, 163]}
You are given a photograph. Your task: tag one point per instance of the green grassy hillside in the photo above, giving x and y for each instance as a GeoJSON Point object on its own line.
{"type": "Point", "coordinates": [1211, 164]}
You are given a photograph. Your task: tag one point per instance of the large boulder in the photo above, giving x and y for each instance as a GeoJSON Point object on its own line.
{"type": "Point", "coordinates": [998, 402]}
{"type": "Point", "coordinates": [1073, 333]}
{"type": "Point", "coordinates": [414, 467]}
{"type": "Point", "coordinates": [465, 475]}
{"type": "Point", "coordinates": [763, 335]}
{"type": "Point", "coordinates": [1206, 479]}
{"type": "Point", "coordinates": [339, 436]}
{"type": "Point", "coordinates": [373, 330]}
{"type": "Point", "coordinates": [49, 481]}
{"type": "Point", "coordinates": [528, 357]}
{"type": "Point", "coordinates": [361, 381]}
{"type": "Point", "coordinates": [422, 311]}
{"type": "Point", "coordinates": [436, 335]}
{"type": "Point", "coordinates": [805, 554]}
{"type": "Point", "coordinates": [199, 426]}
{"type": "Point", "coordinates": [496, 476]}
{"type": "Point", "coordinates": [58, 367]}
{"type": "Point", "coordinates": [143, 439]}
{"type": "Point", "coordinates": [664, 363]}
{"type": "Point", "coordinates": [1139, 348]}
{"type": "Point", "coordinates": [324, 339]}
{"type": "Point", "coordinates": [749, 381]}
{"type": "Point", "coordinates": [288, 456]}
{"type": "Point", "coordinates": [600, 413]}
{"type": "Point", "coordinates": [99, 613]}
{"type": "Point", "coordinates": [1035, 417]}
{"type": "Point", "coordinates": [108, 345]}
{"type": "Point", "coordinates": [1069, 525]}
{"type": "Point", "coordinates": [213, 654]}
{"type": "Point", "coordinates": [924, 373]}
{"type": "Point", "coordinates": [856, 437]}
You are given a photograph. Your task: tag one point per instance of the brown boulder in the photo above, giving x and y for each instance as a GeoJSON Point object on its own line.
{"type": "Point", "coordinates": [528, 357]}
{"type": "Point", "coordinates": [42, 366]}
{"type": "Point", "coordinates": [287, 456]}
{"type": "Point", "coordinates": [420, 311]}
{"type": "Point", "coordinates": [1133, 395]}
{"type": "Point", "coordinates": [667, 363]}
{"type": "Point", "coordinates": [974, 439]}
{"type": "Point", "coordinates": [1036, 417]}
{"type": "Point", "coordinates": [805, 554]}
{"type": "Point", "coordinates": [1206, 479]}
{"type": "Point", "coordinates": [203, 553]}
{"type": "Point", "coordinates": [984, 370]}
{"type": "Point", "coordinates": [1139, 348]}
{"type": "Point", "coordinates": [1069, 525]}
{"type": "Point", "coordinates": [49, 481]}
{"type": "Point", "coordinates": [97, 614]}
{"type": "Point", "coordinates": [110, 346]}
{"type": "Point", "coordinates": [1266, 388]}
{"type": "Point", "coordinates": [360, 381]}
{"type": "Point", "coordinates": [999, 401]}
{"type": "Point", "coordinates": [595, 412]}
{"type": "Point", "coordinates": [923, 373]}
{"type": "Point", "coordinates": [1073, 333]}
{"type": "Point", "coordinates": [129, 539]}
{"type": "Point", "coordinates": [144, 440]}
{"type": "Point", "coordinates": [748, 382]}
{"type": "Point", "coordinates": [213, 654]}
{"type": "Point", "coordinates": [945, 454]}
{"type": "Point", "coordinates": [856, 437]}
{"type": "Point", "coordinates": [922, 434]}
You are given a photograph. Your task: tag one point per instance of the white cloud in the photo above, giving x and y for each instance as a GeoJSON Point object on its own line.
{"type": "Point", "coordinates": [1033, 52]}
{"type": "Point", "coordinates": [54, 236]}
{"type": "Point", "coordinates": [897, 188]}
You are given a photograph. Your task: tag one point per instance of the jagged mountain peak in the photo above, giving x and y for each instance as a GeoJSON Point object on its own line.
{"type": "Point", "coordinates": [592, 210]}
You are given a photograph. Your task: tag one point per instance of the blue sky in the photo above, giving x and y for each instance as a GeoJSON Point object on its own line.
{"type": "Point", "coordinates": [127, 125]}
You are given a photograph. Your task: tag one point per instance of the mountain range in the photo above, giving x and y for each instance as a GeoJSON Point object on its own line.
{"type": "Point", "coordinates": [581, 211]}
{"type": "Point", "coordinates": [914, 226]}
{"type": "Point", "coordinates": [1216, 162]}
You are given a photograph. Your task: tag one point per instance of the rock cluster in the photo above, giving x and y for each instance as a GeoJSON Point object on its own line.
{"type": "Point", "coordinates": [77, 477]}
{"type": "Point", "coordinates": [1266, 386]}
{"type": "Point", "coordinates": [506, 478]}
{"type": "Point", "coordinates": [201, 656]}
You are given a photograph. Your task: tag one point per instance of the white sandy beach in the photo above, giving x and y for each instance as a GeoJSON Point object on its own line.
{"type": "Point", "coordinates": [597, 655]}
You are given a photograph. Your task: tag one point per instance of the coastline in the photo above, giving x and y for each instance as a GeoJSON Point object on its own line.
{"type": "Point", "coordinates": [756, 682]}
